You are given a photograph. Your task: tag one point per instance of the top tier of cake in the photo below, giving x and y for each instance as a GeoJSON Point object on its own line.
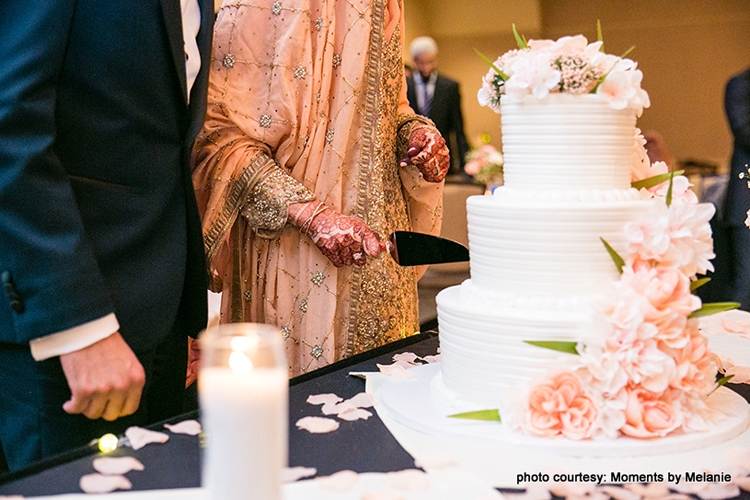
{"type": "Point", "coordinates": [567, 143]}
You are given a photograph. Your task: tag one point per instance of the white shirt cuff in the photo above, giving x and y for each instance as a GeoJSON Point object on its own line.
{"type": "Point", "coordinates": [74, 339]}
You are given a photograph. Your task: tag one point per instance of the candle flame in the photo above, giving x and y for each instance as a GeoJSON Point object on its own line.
{"type": "Point", "coordinates": [239, 362]}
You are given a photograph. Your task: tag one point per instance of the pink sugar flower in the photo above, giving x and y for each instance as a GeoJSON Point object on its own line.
{"type": "Point", "coordinates": [665, 288]}
{"type": "Point", "coordinates": [560, 406]}
{"type": "Point", "coordinates": [696, 365]}
{"type": "Point", "coordinates": [648, 415]}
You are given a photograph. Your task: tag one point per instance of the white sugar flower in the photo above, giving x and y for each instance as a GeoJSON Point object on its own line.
{"type": "Point", "coordinates": [616, 89]}
{"type": "Point", "coordinates": [533, 74]}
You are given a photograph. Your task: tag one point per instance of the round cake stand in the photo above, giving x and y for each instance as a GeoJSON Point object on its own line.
{"type": "Point", "coordinates": [411, 403]}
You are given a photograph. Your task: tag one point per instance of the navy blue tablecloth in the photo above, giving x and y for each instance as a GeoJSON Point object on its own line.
{"type": "Point", "coordinates": [362, 445]}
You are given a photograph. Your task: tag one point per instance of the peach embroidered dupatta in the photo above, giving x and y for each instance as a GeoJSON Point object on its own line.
{"type": "Point", "coordinates": [315, 86]}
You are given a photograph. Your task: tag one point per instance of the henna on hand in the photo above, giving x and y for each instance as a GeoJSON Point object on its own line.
{"type": "Point", "coordinates": [427, 151]}
{"type": "Point", "coordinates": [344, 240]}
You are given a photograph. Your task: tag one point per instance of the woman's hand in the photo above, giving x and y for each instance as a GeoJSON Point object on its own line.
{"type": "Point", "coordinates": [344, 240]}
{"type": "Point", "coordinates": [427, 151]}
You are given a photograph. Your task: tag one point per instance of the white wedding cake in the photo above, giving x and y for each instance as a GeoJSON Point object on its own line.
{"type": "Point", "coordinates": [537, 258]}
{"type": "Point", "coordinates": [579, 318]}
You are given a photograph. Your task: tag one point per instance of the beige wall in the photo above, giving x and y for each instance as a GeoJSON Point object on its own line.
{"type": "Point", "coordinates": [687, 50]}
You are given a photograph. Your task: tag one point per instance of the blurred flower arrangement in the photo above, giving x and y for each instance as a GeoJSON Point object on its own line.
{"type": "Point", "coordinates": [485, 163]}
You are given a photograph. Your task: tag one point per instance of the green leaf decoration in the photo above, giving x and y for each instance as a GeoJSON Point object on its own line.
{"type": "Point", "coordinates": [521, 42]}
{"type": "Point", "coordinates": [492, 65]}
{"type": "Point", "coordinates": [489, 415]}
{"type": "Point", "coordinates": [601, 80]}
{"type": "Point", "coordinates": [619, 262]}
{"type": "Point", "coordinates": [555, 345]}
{"type": "Point", "coordinates": [655, 180]}
{"type": "Point", "coordinates": [671, 183]}
{"type": "Point", "coordinates": [627, 52]}
{"type": "Point", "coordinates": [713, 308]}
{"type": "Point", "coordinates": [724, 380]}
{"type": "Point", "coordinates": [720, 382]}
{"type": "Point", "coordinates": [599, 37]}
{"type": "Point", "coordinates": [694, 285]}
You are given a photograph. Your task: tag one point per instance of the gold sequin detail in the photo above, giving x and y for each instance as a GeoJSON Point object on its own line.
{"type": "Point", "coordinates": [267, 207]}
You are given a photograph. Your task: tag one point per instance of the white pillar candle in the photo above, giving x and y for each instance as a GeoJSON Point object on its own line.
{"type": "Point", "coordinates": [245, 418]}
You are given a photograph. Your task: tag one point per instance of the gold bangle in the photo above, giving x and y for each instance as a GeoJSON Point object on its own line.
{"type": "Point", "coordinates": [306, 225]}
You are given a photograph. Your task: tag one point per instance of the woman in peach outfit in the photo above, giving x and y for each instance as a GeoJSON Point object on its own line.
{"type": "Point", "coordinates": [310, 157]}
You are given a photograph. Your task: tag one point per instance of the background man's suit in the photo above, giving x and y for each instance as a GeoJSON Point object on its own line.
{"type": "Point", "coordinates": [737, 202]}
{"type": "Point", "coordinates": [97, 210]}
{"type": "Point", "coordinates": [445, 112]}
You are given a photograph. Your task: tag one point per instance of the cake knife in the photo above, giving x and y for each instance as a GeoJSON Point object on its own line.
{"type": "Point", "coordinates": [416, 249]}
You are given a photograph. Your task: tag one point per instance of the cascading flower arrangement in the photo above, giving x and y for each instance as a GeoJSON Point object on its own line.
{"type": "Point", "coordinates": [571, 65]}
{"type": "Point", "coordinates": [647, 370]}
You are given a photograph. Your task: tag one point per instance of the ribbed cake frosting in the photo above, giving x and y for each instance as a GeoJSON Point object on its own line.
{"type": "Point", "coordinates": [537, 259]}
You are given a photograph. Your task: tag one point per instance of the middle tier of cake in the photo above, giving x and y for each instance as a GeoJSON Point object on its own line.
{"type": "Point", "coordinates": [548, 247]}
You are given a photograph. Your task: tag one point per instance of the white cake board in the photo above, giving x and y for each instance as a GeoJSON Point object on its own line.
{"type": "Point", "coordinates": [411, 403]}
{"type": "Point", "coordinates": [499, 463]}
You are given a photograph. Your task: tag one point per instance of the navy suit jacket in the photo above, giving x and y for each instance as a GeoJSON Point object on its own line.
{"type": "Point", "coordinates": [737, 106]}
{"type": "Point", "coordinates": [97, 209]}
{"type": "Point", "coordinates": [445, 112]}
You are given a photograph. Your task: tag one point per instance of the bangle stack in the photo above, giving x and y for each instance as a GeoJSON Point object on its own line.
{"type": "Point", "coordinates": [306, 225]}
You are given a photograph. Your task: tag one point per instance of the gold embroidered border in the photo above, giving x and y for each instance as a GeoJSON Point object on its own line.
{"type": "Point", "coordinates": [369, 130]}
{"type": "Point", "coordinates": [238, 195]}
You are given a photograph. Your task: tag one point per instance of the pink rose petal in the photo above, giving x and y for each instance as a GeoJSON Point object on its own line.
{"type": "Point", "coordinates": [381, 495]}
{"type": "Point", "coordinates": [337, 408]}
{"type": "Point", "coordinates": [619, 493]}
{"type": "Point", "coordinates": [116, 465]}
{"type": "Point", "coordinates": [408, 480]}
{"type": "Point", "coordinates": [362, 400]}
{"type": "Point", "coordinates": [708, 491]}
{"type": "Point", "coordinates": [533, 492]}
{"type": "Point", "coordinates": [140, 437]}
{"type": "Point", "coordinates": [432, 359]}
{"type": "Point", "coordinates": [741, 374]}
{"type": "Point", "coordinates": [733, 326]}
{"type": "Point", "coordinates": [189, 427]}
{"type": "Point", "coordinates": [396, 371]}
{"type": "Point", "coordinates": [407, 357]}
{"type": "Point", "coordinates": [99, 483]}
{"type": "Point", "coordinates": [355, 414]}
{"type": "Point", "coordinates": [652, 490]}
{"type": "Point", "coordinates": [292, 474]}
{"type": "Point", "coordinates": [340, 481]}
{"type": "Point", "coordinates": [322, 399]}
{"type": "Point", "coordinates": [436, 460]}
{"type": "Point", "coordinates": [317, 425]}
{"type": "Point", "coordinates": [742, 482]}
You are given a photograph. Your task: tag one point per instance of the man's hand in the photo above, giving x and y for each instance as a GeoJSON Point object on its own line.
{"type": "Point", "coordinates": [105, 379]}
{"type": "Point", "coordinates": [194, 361]}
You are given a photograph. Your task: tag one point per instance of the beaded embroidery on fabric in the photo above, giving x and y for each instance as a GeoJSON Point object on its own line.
{"type": "Point", "coordinates": [383, 297]}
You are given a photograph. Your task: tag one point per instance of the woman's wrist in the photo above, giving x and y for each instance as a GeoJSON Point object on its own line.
{"type": "Point", "coordinates": [300, 213]}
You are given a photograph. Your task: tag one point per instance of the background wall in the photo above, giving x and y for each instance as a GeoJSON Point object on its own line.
{"type": "Point", "coordinates": [686, 50]}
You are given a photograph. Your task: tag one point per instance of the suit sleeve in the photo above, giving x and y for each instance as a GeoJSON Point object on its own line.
{"type": "Point", "coordinates": [457, 119]}
{"type": "Point", "coordinates": [51, 278]}
{"type": "Point", "coordinates": [737, 103]}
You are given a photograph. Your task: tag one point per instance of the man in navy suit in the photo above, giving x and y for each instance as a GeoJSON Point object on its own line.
{"type": "Point", "coordinates": [737, 201]}
{"type": "Point", "coordinates": [438, 98]}
{"type": "Point", "coordinates": [101, 254]}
